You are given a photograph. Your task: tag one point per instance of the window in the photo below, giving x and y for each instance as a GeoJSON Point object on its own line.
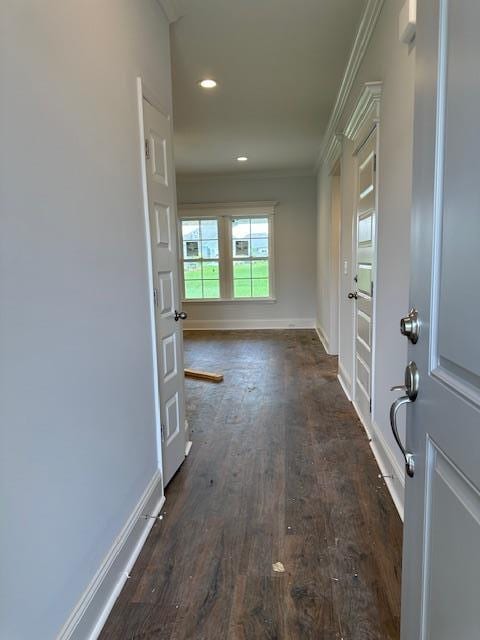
{"type": "Point", "coordinates": [201, 267]}
{"type": "Point", "coordinates": [250, 257]}
{"type": "Point", "coordinates": [227, 251]}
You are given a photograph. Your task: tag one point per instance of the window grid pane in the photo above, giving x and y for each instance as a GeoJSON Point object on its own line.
{"type": "Point", "coordinates": [250, 255]}
{"type": "Point", "coordinates": [201, 265]}
{"type": "Point", "coordinates": [242, 288]}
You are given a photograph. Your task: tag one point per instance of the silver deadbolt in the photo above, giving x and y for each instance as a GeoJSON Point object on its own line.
{"type": "Point", "coordinates": [410, 326]}
{"type": "Point", "coordinates": [412, 381]}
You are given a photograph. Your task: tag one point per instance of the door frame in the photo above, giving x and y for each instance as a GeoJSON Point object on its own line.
{"type": "Point", "coordinates": [143, 92]}
{"type": "Point", "coordinates": [335, 256]}
{"type": "Point", "coordinates": [362, 124]}
{"type": "Point", "coordinates": [334, 164]}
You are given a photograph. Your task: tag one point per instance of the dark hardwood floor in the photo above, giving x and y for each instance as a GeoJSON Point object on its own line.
{"type": "Point", "coordinates": [280, 471]}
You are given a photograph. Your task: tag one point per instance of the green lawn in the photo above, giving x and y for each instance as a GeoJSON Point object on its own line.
{"type": "Point", "coordinates": [250, 279]}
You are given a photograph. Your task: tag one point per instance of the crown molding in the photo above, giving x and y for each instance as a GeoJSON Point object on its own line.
{"type": "Point", "coordinates": [366, 113]}
{"type": "Point", "coordinates": [262, 204]}
{"type": "Point", "coordinates": [362, 39]}
{"type": "Point", "coordinates": [333, 151]}
{"type": "Point", "coordinates": [245, 175]}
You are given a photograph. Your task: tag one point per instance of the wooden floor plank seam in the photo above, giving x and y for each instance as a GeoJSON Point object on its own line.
{"type": "Point", "coordinates": [280, 472]}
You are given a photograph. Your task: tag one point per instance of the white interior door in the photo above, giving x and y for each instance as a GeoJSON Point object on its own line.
{"type": "Point", "coordinates": [163, 236]}
{"type": "Point", "coordinates": [441, 566]}
{"type": "Point", "coordinates": [364, 274]}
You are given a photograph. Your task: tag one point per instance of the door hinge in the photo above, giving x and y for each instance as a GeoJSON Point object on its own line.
{"type": "Point", "coordinates": [155, 297]}
{"type": "Point", "coordinates": [374, 162]}
{"type": "Point", "coordinates": [370, 405]}
{"type": "Point", "coordinates": [371, 289]}
{"type": "Point", "coordinates": [147, 149]}
{"type": "Point", "coordinates": [162, 432]}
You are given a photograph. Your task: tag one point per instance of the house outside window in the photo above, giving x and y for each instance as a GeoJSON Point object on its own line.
{"type": "Point", "coordinates": [227, 252]}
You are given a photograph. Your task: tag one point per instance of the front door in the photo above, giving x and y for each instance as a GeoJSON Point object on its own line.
{"type": "Point", "coordinates": [163, 236]}
{"type": "Point", "coordinates": [441, 565]}
{"type": "Point", "coordinates": [364, 275]}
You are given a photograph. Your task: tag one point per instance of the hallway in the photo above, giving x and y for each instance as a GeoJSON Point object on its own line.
{"type": "Point", "coordinates": [280, 471]}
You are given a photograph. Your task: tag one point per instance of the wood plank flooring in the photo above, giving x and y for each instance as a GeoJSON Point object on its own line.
{"type": "Point", "coordinates": [280, 471]}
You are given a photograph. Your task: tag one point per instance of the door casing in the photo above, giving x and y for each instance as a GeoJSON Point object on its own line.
{"type": "Point", "coordinates": [366, 417]}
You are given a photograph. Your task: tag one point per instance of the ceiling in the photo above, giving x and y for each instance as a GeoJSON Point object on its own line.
{"type": "Point", "coordinates": [278, 64]}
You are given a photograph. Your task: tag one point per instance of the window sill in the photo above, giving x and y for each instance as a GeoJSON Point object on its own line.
{"type": "Point", "coordinates": [229, 300]}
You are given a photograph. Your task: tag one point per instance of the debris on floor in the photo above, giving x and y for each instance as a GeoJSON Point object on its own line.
{"type": "Point", "coordinates": [278, 567]}
{"type": "Point", "coordinates": [203, 375]}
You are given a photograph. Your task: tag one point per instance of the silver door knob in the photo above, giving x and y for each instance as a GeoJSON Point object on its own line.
{"type": "Point", "coordinates": [412, 381]}
{"type": "Point", "coordinates": [180, 316]}
{"type": "Point", "coordinates": [410, 326]}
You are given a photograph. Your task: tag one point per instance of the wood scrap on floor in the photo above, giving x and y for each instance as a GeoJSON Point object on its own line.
{"type": "Point", "coordinates": [203, 375]}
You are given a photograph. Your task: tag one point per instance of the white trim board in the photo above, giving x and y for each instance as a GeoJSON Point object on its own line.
{"type": "Point", "coordinates": [389, 467]}
{"type": "Point", "coordinates": [246, 175]}
{"type": "Point", "coordinates": [323, 338]}
{"type": "Point", "coordinates": [333, 152]}
{"type": "Point", "coordinates": [345, 381]}
{"type": "Point", "coordinates": [265, 206]}
{"type": "Point", "coordinates": [386, 461]}
{"type": "Point", "coordinates": [384, 456]}
{"type": "Point", "coordinates": [92, 610]}
{"type": "Point", "coordinates": [227, 325]}
{"type": "Point", "coordinates": [365, 115]}
{"type": "Point", "coordinates": [362, 39]}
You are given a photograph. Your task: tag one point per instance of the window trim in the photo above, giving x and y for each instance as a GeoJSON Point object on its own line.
{"type": "Point", "coordinates": [223, 212]}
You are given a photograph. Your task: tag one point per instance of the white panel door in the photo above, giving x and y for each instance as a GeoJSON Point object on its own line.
{"type": "Point", "coordinates": [441, 566]}
{"type": "Point", "coordinates": [163, 235]}
{"type": "Point", "coordinates": [364, 273]}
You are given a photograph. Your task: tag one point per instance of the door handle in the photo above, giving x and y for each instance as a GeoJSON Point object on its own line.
{"type": "Point", "coordinates": [410, 387]}
{"type": "Point", "coordinates": [409, 461]}
{"type": "Point", "coordinates": [353, 295]}
{"type": "Point", "coordinates": [180, 316]}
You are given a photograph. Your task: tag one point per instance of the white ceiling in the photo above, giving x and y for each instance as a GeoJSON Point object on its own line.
{"type": "Point", "coordinates": [278, 64]}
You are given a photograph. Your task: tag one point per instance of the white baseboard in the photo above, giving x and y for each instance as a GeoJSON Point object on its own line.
{"type": "Point", "coordinates": [90, 614]}
{"type": "Point", "coordinates": [273, 323]}
{"type": "Point", "coordinates": [389, 466]}
{"type": "Point", "coordinates": [392, 472]}
{"type": "Point", "coordinates": [188, 446]}
{"type": "Point", "coordinates": [345, 381]}
{"type": "Point", "coordinates": [323, 338]}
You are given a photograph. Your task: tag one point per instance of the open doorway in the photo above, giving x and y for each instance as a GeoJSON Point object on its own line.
{"type": "Point", "coordinates": [335, 229]}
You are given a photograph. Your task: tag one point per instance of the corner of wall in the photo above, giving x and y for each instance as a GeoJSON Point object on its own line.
{"type": "Point", "coordinates": [392, 473]}
{"type": "Point", "coordinates": [345, 381]}
{"type": "Point", "coordinates": [323, 337]}
{"type": "Point", "coordinates": [92, 610]}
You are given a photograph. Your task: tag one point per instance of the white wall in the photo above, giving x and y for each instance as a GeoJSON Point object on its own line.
{"type": "Point", "coordinates": [328, 259]}
{"type": "Point", "coordinates": [295, 250]}
{"type": "Point", "coordinates": [392, 63]}
{"type": "Point", "coordinates": [78, 441]}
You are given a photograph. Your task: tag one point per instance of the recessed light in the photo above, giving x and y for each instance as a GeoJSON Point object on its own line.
{"type": "Point", "coordinates": [242, 159]}
{"type": "Point", "coordinates": [207, 83]}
